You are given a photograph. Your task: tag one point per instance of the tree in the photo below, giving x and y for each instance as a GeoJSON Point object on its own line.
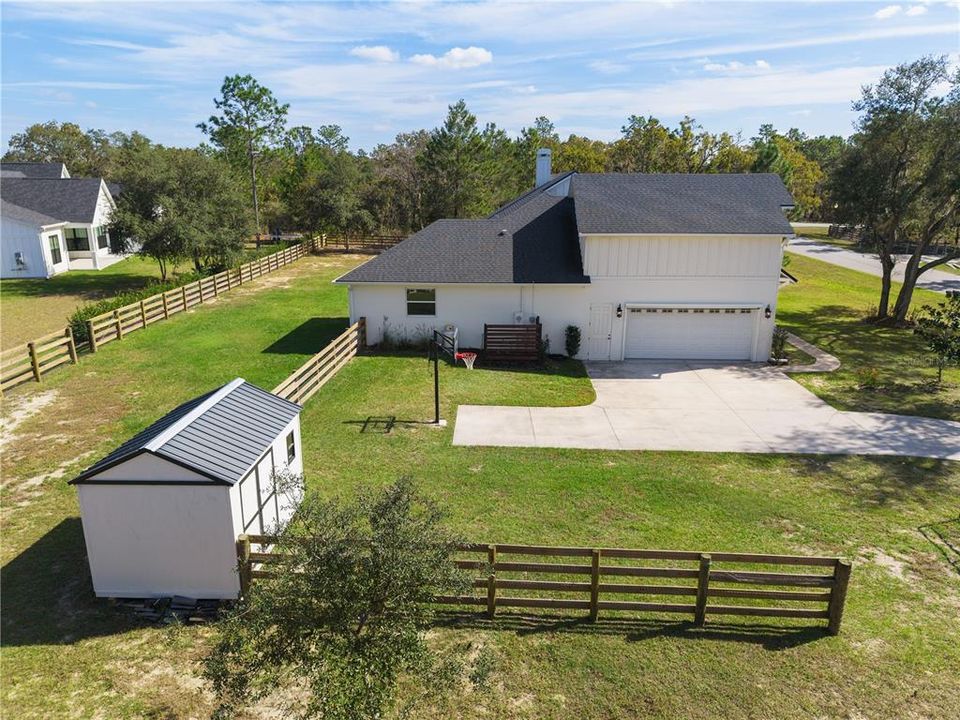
{"type": "Point", "coordinates": [456, 166]}
{"type": "Point", "coordinates": [939, 326]}
{"type": "Point", "coordinates": [86, 154]}
{"type": "Point", "coordinates": [397, 198]}
{"type": "Point", "coordinates": [179, 204]}
{"type": "Point", "coordinates": [581, 154]}
{"type": "Point", "coordinates": [900, 176]}
{"type": "Point", "coordinates": [344, 618]}
{"type": "Point", "coordinates": [250, 120]}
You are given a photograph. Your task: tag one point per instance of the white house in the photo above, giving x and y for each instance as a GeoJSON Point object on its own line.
{"type": "Point", "coordinates": [51, 222]}
{"type": "Point", "coordinates": [161, 514]}
{"type": "Point", "coordinates": [647, 266]}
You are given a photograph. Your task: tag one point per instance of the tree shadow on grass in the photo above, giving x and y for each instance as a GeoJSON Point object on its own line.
{"type": "Point", "coordinates": [309, 337]}
{"type": "Point", "coordinates": [768, 636]}
{"type": "Point", "coordinates": [47, 594]}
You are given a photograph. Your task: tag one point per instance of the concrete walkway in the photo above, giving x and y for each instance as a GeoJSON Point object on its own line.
{"type": "Point", "coordinates": [936, 280]}
{"type": "Point", "coordinates": [680, 405]}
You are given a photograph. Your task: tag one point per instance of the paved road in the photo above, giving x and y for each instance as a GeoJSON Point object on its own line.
{"type": "Point", "coordinates": [680, 405]}
{"type": "Point", "coordinates": [936, 280]}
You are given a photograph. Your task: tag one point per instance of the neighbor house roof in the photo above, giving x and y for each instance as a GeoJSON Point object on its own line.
{"type": "Point", "coordinates": [26, 215]}
{"type": "Point", "coordinates": [67, 199]}
{"type": "Point", "coordinates": [535, 243]}
{"type": "Point", "coordinates": [220, 435]}
{"type": "Point", "coordinates": [535, 238]}
{"type": "Point", "coordinates": [34, 169]}
{"type": "Point", "coordinates": [728, 204]}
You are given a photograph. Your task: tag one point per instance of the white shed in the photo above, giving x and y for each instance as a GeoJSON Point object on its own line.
{"type": "Point", "coordinates": [161, 514]}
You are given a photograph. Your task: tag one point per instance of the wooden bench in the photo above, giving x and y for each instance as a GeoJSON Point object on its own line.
{"type": "Point", "coordinates": [513, 343]}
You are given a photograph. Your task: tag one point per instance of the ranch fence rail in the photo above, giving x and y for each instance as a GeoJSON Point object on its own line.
{"type": "Point", "coordinates": [32, 360]}
{"type": "Point", "coordinates": [702, 580]}
{"type": "Point", "coordinates": [360, 243]}
{"type": "Point", "coordinates": [319, 369]}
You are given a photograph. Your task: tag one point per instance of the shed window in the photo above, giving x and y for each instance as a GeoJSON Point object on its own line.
{"type": "Point", "coordinates": [103, 239]}
{"type": "Point", "coordinates": [291, 447]}
{"type": "Point", "coordinates": [421, 301]}
{"type": "Point", "coordinates": [77, 239]}
{"type": "Point", "coordinates": [55, 253]}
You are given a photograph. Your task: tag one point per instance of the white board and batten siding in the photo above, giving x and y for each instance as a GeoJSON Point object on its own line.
{"type": "Point", "coordinates": [162, 513]}
{"type": "Point", "coordinates": [33, 243]}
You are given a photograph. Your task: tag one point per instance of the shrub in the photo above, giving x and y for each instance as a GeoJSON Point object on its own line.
{"type": "Point", "coordinates": [778, 348]}
{"type": "Point", "coordinates": [939, 326]}
{"type": "Point", "coordinates": [572, 337]}
{"type": "Point", "coordinates": [868, 378]}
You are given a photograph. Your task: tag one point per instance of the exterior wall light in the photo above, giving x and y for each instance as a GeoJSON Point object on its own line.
{"type": "Point", "coordinates": [767, 312]}
{"type": "Point", "coordinates": [620, 311]}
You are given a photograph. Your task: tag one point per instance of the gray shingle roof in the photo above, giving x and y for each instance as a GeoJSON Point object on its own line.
{"type": "Point", "coordinates": [220, 435]}
{"type": "Point", "coordinates": [32, 169]}
{"type": "Point", "coordinates": [536, 243]}
{"type": "Point", "coordinates": [729, 204]}
{"type": "Point", "coordinates": [67, 200]}
{"type": "Point", "coordinates": [9, 209]}
{"type": "Point", "coordinates": [535, 238]}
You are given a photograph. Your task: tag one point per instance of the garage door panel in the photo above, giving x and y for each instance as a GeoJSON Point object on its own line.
{"type": "Point", "coordinates": [690, 333]}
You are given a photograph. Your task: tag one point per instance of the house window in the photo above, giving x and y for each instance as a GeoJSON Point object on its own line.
{"type": "Point", "coordinates": [77, 239]}
{"type": "Point", "coordinates": [421, 302]}
{"type": "Point", "coordinates": [103, 239]}
{"type": "Point", "coordinates": [291, 448]}
{"type": "Point", "coordinates": [55, 253]}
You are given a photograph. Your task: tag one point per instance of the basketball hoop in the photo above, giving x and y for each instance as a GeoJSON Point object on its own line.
{"type": "Point", "coordinates": [468, 358]}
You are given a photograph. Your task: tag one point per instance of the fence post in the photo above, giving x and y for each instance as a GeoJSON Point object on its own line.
{"type": "Point", "coordinates": [215, 283]}
{"type": "Point", "coordinates": [594, 584]}
{"type": "Point", "coordinates": [703, 583]}
{"type": "Point", "coordinates": [93, 336]}
{"type": "Point", "coordinates": [492, 581]}
{"type": "Point", "coordinates": [166, 311]}
{"type": "Point", "coordinates": [362, 333]}
{"type": "Point", "coordinates": [71, 345]}
{"type": "Point", "coordinates": [183, 294]}
{"type": "Point", "coordinates": [143, 313]}
{"type": "Point", "coordinates": [243, 561]}
{"type": "Point", "coordinates": [118, 323]}
{"type": "Point", "coordinates": [838, 595]}
{"type": "Point", "coordinates": [34, 360]}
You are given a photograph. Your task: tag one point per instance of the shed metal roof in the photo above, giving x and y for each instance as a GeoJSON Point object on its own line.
{"type": "Point", "coordinates": [220, 435]}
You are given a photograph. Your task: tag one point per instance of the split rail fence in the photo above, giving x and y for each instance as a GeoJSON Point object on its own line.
{"type": "Point", "coordinates": [318, 370]}
{"type": "Point", "coordinates": [32, 360]}
{"type": "Point", "coordinates": [611, 579]}
{"type": "Point", "coordinates": [360, 243]}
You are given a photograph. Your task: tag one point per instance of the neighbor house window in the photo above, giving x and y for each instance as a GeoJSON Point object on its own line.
{"type": "Point", "coordinates": [103, 240]}
{"type": "Point", "coordinates": [77, 239]}
{"type": "Point", "coordinates": [291, 448]}
{"type": "Point", "coordinates": [55, 253]}
{"type": "Point", "coordinates": [421, 302]}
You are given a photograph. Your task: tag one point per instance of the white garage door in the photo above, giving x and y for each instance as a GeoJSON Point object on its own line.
{"type": "Point", "coordinates": [690, 333]}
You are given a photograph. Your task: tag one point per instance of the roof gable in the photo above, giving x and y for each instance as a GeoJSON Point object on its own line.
{"type": "Point", "coordinates": [67, 200]}
{"type": "Point", "coordinates": [219, 435]}
{"type": "Point", "coordinates": [34, 169]}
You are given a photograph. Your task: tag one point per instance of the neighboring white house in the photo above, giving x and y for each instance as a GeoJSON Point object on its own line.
{"type": "Point", "coordinates": [647, 266]}
{"type": "Point", "coordinates": [41, 200]}
{"type": "Point", "coordinates": [161, 514]}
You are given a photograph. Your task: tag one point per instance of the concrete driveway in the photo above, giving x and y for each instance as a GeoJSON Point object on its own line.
{"type": "Point", "coordinates": [681, 405]}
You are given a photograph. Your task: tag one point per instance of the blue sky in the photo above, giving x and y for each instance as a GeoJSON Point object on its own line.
{"type": "Point", "coordinates": [378, 69]}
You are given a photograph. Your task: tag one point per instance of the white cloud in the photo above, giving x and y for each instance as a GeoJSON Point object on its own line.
{"type": "Point", "coordinates": [377, 53]}
{"type": "Point", "coordinates": [607, 67]}
{"type": "Point", "coordinates": [915, 10]}
{"type": "Point", "coordinates": [456, 58]}
{"type": "Point", "coordinates": [736, 66]}
{"type": "Point", "coordinates": [887, 12]}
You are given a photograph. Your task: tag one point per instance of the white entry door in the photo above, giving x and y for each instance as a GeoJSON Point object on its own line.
{"type": "Point", "coordinates": [690, 333]}
{"type": "Point", "coordinates": [599, 331]}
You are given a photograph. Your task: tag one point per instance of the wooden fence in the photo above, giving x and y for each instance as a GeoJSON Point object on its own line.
{"type": "Point", "coordinates": [314, 374]}
{"type": "Point", "coordinates": [31, 361]}
{"type": "Point", "coordinates": [360, 243]}
{"type": "Point", "coordinates": [610, 579]}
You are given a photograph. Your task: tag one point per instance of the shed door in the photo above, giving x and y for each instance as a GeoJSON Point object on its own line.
{"type": "Point", "coordinates": [690, 333]}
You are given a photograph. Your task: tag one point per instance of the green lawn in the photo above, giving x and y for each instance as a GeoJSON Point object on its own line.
{"type": "Point", "coordinates": [828, 307]}
{"type": "Point", "coordinates": [67, 654]}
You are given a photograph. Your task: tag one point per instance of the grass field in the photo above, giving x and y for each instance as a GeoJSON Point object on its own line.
{"type": "Point", "coordinates": [66, 654]}
{"type": "Point", "coordinates": [883, 369]}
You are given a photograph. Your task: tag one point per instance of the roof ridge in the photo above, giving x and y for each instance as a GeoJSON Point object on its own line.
{"type": "Point", "coordinates": [169, 433]}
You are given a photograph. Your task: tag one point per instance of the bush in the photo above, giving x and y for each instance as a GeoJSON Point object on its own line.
{"type": "Point", "coordinates": [868, 378]}
{"type": "Point", "coordinates": [778, 348]}
{"type": "Point", "coordinates": [939, 327]}
{"type": "Point", "coordinates": [572, 340]}
{"type": "Point", "coordinates": [78, 320]}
